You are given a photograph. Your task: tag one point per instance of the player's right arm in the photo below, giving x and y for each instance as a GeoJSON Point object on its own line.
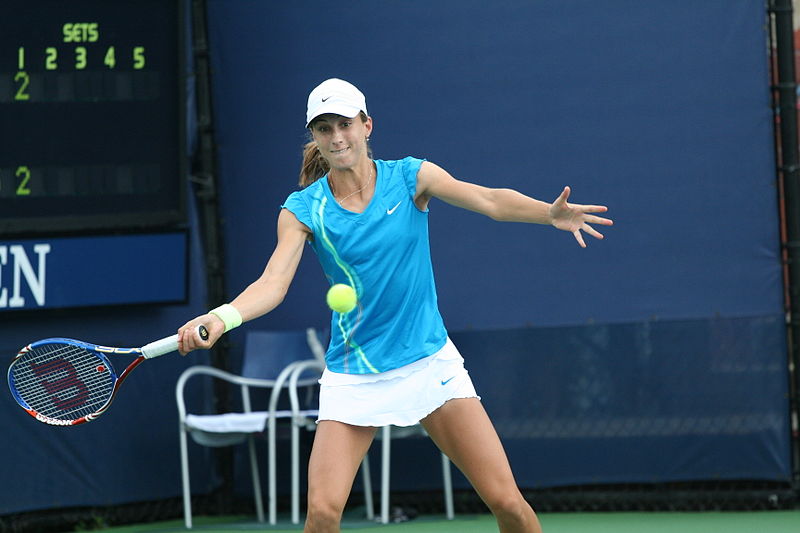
{"type": "Point", "coordinates": [265, 293]}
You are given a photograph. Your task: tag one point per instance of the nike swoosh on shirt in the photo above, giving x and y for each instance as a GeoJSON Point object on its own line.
{"type": "Point", "coordinates": [446, 381]}
{"type": "Point", "coordinates": [390, 211]}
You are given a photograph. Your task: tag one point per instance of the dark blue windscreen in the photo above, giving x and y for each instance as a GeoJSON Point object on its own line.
{"type": "Point", "coordinates": [660, 110]}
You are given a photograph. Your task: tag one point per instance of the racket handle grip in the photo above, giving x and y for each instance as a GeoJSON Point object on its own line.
{"type": "Point", "coordinates": [168, 344]}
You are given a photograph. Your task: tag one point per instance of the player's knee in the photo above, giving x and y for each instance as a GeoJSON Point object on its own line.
{"type": "Point", "coordinates": [509, 506]}
{"type": "Point", "coordinates": [322, 514]}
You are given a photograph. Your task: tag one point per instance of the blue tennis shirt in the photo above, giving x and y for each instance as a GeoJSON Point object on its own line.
{"type": "Point", "coordinates": [384, 254]}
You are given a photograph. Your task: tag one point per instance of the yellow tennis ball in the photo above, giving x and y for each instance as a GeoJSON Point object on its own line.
{"type": "Point", "coordinates": [341, 298]}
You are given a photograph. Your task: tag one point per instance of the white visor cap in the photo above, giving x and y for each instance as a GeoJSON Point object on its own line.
{"type": "Point", "coordinates": [335, 96]}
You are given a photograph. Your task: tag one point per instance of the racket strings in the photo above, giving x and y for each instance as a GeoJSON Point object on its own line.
{"type": "Point", "coordinates": [63, 381]}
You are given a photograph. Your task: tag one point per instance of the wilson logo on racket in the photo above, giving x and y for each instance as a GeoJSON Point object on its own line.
{"type": "Point", "coordinates": [60, 379]}
{"type": "Point", "coordinates": [53, 421]}
{"type": "Point", "coordinates": [65, 382]}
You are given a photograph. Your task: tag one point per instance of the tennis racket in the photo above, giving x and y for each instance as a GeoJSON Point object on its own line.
{"type": "Point", "coordinates": [66, 382]}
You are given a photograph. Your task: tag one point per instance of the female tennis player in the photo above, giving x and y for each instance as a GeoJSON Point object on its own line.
{"type": "Point", "coordinates": [390, 360]}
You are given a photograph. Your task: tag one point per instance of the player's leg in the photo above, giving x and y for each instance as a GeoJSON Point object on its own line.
{"type": "Point", "coordinates": [335, 457]}
{"type": "Point", "coordinates": [462, 430]}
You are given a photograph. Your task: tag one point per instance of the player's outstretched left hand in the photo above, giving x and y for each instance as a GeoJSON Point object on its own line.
{"type": "Point", "coordinates": [576, 217]}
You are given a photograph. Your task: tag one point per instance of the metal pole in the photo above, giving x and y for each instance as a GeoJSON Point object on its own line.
{"type": "Point", "coordinates": [789, 177]}
{"type": "Point", "coordinates": [205, 178]}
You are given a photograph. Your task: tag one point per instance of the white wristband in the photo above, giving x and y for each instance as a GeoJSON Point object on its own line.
{"type": "Point", "coordinates": [229, 315]}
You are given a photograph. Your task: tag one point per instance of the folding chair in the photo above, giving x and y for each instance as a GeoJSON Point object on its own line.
{"type": "Point", "coordinates": [269, 358]}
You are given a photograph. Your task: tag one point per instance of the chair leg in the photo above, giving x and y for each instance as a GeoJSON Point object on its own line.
{"type": "Point", "coordinates": [256, 479]}
{"type": "Point", "coordinates": [295, 473]}
{"type": "Point", "coordinates": [448, 487]}
{"type": "Point", "coordinates": [187, 490]}
{"type": "Point", "coordinates": [272, 488]}
{"type": "Point", "coordinates": [367, 480]}
{"type": "Point", "coordinates": [386, 450]}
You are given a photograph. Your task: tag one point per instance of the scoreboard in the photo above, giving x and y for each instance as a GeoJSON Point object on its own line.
{"type": "Point", "coordinates": [92, 154]}
{"type": "Point", "coordinates": [92, 119]}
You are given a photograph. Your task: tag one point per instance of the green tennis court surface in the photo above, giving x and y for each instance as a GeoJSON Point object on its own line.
{"type": "Point", "coordinates": [733, 522]}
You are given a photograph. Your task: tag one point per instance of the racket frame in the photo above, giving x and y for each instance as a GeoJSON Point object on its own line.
{"type": "Point", "coordinates": [97, 351]}
{"type": "Point", "coordinates": [149, 351]}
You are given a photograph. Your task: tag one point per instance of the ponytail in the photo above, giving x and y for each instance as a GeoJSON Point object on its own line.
{"type": "Point", "coordinates": [314, 165]}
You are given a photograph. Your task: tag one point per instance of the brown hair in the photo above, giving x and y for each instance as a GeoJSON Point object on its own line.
{"type": "Point", "coordinates": [314, 165]}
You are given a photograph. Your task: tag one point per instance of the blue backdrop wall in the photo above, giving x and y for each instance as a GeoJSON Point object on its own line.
{"type": "Point", "coordinates": [657, 354]}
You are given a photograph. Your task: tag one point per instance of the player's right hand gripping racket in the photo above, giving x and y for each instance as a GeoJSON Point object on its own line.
{"type": "Point", "coordinates": [66, 382]}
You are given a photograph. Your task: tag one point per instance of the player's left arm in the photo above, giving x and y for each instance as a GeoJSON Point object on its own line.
{"type": "Point", "coordinates": [507, 205]}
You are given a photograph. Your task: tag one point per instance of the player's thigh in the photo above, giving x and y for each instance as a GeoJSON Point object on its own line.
{"type": "Point", "coordinates": [335, 457]}
{"type": "Point", "coordinates": [462, 430]}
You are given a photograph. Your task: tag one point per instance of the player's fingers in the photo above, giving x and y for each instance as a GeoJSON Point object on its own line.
{"type": "Point", "coordinates": [591, 219]}
{"type": "Point", "coordinates": [183, 344]}
{"type": "Point", "coordinates": [591, 231]}
{"type": "Point", "coordinates": [190, 337]}
{"type": "Point", "coordinates": [182, 348]}
{"type": "Point", "coordinates": [593, 208]}
{"type": "Point", "coordinates": [579, 238]}
{"type": "Point", "coordinates": [562, 198]}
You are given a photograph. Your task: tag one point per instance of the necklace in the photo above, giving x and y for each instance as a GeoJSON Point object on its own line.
{"type": "Point", "coordinates": [340, 200]}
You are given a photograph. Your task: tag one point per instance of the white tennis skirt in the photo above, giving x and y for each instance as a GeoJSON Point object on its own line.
{"type": "Point", "coordinates": [400, 397]}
